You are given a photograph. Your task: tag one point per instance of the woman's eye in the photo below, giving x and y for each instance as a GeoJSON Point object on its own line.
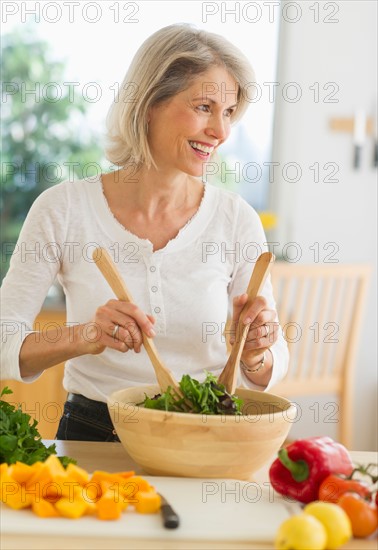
{"type": "Point", "coordinates": [204, 107]}
{"type": "Point", "coordinates": [229, 112]}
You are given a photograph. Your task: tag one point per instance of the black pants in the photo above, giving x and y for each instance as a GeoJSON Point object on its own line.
{"type": "Point", "coordinates": [85, 420]}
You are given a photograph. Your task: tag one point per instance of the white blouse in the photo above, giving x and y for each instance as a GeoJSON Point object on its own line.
{"type": "Point", "coordinates": [188, 286]}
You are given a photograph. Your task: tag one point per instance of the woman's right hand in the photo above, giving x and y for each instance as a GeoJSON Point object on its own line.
{"type": "Point", "coordinates": [101, 333]}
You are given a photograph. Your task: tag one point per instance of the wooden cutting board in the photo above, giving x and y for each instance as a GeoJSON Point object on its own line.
{"type": "Point", "coordinates": [209, 510]}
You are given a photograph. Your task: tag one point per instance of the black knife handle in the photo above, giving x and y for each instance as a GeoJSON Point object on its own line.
{"type": "Point", "coordinates": [375, 154]}
{"type": "Point", "coordinates": [357, 157]}
{"type": "Point", "coordinates": [170, 518]}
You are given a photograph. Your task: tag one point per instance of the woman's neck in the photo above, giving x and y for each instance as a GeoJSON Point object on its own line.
{"type": "Point", "coordinates": [151, 192]}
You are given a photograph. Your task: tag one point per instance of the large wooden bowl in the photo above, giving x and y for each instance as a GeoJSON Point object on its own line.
{"type": "Point", "coordinates": [205, 446]}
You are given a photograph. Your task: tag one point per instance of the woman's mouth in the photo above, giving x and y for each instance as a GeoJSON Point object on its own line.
{"type": "Point", "coordinates": [201, 150]}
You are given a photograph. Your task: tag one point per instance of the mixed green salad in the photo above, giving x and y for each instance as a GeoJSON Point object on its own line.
{"type": "Point", "coordinates": [208, 397]}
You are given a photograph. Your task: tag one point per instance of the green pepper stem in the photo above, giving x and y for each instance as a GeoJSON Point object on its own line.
{"type": "Point", "coordinates": [299, 469]}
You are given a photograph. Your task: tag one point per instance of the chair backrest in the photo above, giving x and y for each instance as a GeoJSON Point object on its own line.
{"type": "Point", "coordinates": [320, 308]}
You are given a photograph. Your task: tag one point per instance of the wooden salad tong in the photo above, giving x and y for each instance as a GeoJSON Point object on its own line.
{"type": "Point", "coordinates": [109, 270]}
{"type": "Point", "coordinates": [261, 270]}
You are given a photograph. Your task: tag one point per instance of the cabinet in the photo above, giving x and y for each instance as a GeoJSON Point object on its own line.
{"type": "Point", "coordinates": [44, 398]}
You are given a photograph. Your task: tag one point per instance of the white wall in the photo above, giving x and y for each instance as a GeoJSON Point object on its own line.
{"type": "Point", "coordinates": [344, 53]}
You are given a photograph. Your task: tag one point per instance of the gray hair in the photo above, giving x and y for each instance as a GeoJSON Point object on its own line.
{"type": "Point", "coordinates": [165, 65]}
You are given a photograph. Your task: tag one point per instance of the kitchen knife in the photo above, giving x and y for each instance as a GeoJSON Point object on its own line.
{"type": "Point", "coordinates": [375, 137]}
{"type": "Point", "coordinates": [170, 518]}
{"type": "Point", "coordinates": [359, 132]}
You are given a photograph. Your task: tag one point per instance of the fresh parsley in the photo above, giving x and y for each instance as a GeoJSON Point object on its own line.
{"type": "Point", "coordinates": [208, 397]}
{"type": "Point", "coordinates": [19, 436]}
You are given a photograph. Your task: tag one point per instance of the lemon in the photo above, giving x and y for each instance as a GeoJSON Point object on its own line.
{"type": "Point", "coordinates": [301, 532]}
{"type": "Point", "coordinates": [335, 520]}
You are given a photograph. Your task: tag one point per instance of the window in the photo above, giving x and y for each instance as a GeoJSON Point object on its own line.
{"type": "Point", "coordinates": [95, 42]}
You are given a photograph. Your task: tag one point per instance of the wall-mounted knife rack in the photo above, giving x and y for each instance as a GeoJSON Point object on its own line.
{"type": "Point", "coordinates": [347, 125]}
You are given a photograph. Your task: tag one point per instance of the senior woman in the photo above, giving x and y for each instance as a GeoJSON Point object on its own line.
{"type": "Point", "coordinates": [179, 243]}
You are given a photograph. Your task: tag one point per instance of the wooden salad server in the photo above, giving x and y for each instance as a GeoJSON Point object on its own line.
{"type": "Point", "coordinates": [261, 270]}
{"type": "Point", "coordinates": [109, 270]}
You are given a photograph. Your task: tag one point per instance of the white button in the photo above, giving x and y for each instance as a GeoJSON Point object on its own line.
{"type": "Point", "coordinates": [157, 310]}
{"type": "Point", "coordinates": [154, 288]}
{"type": "Point", "coordinates": [152, 268]}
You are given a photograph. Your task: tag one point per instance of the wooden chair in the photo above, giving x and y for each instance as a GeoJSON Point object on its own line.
{"type": "Point", "coordinates": [320, 308]}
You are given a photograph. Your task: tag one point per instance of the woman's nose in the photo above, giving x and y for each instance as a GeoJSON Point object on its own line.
{"type": "Point", "coordinates": [218, 128]}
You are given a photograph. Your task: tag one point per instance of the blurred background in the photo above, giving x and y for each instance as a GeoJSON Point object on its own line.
{"type": "Point", "coordinates": [293, 156]}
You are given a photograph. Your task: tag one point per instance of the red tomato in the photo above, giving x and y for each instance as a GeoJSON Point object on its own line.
{"type": "Point", "coordinates": [362, 514]}
{"type": "Point", "coordinates": [333, 487]}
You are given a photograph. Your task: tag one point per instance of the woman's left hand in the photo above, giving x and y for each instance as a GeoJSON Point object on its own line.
{"type": "Point", "coordinates": [263, 330]}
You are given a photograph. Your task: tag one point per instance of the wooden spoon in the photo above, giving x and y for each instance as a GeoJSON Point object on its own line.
{"type": "Point", "coordinates": [107, 267]}
{"type": "Point", "coordinates": [229, 374]}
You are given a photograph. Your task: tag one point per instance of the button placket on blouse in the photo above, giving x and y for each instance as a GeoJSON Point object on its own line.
{"type": "Point", "coordinates": [156, 299]}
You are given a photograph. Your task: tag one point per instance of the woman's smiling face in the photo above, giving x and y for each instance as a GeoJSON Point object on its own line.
{"type": "Point", "coordinates": [185, 130]}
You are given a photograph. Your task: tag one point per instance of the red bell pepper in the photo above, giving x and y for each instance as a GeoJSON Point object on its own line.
{"type": "Point", "coordinates": [301, 467]}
